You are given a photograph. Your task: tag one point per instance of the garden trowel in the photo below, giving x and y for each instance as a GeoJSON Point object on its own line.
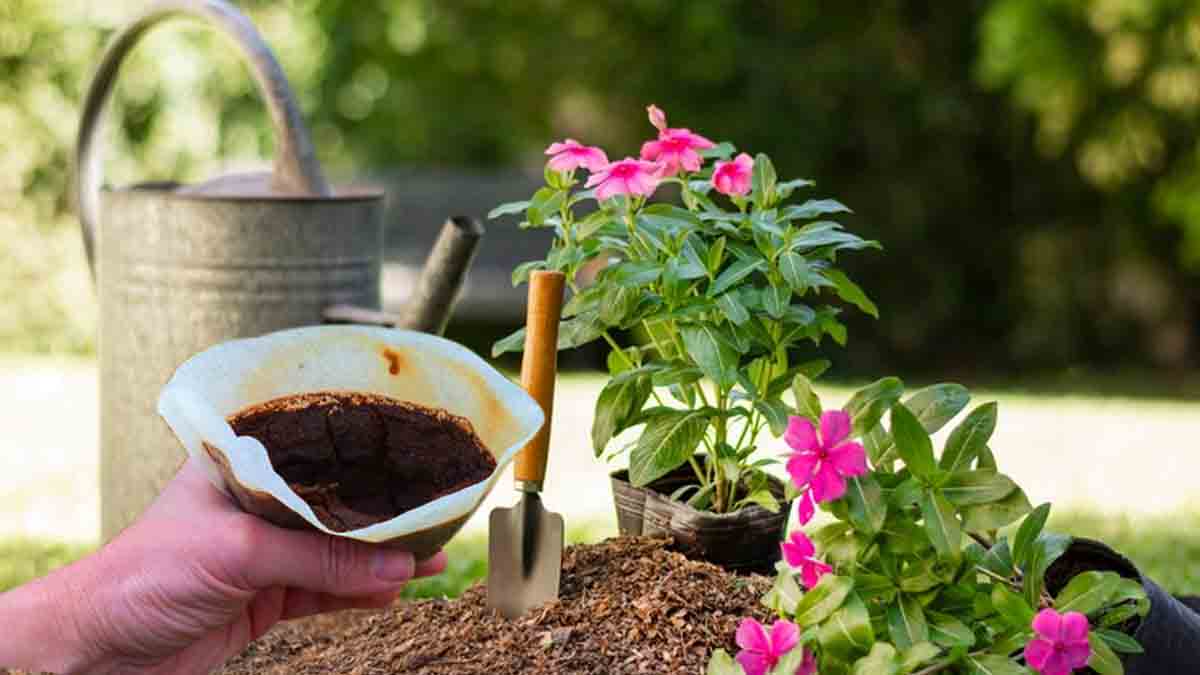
{"type": "Point", "coordinates": [525, 542]}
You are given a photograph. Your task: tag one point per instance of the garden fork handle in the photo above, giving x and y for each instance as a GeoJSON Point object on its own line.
{"type": "Point", "coordinates": [539, 367]}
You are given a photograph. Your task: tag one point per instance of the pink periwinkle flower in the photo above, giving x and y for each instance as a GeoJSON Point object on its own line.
{"type": "Point", "coordinates": [571, 154]}
{"type": "Point", "coordinates": [628, 176]}
{"type": "Point", "coordinates": [675, 148]}
{"type": "Point", "coordinates": [806, 508]}
{"type": "Point", "coordinates": [798, 551]}
{"type": "Point", "coordinates": [761, 650]}
{"type": "Point", "coordinates": [1061, 643]}
{"type": "Point", "coordinates": [822, 462]}
{"type": "Point", "coordinates": [733, 178]}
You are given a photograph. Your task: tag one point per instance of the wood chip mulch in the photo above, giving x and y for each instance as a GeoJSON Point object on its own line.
{"type": "Point", "coordinates": [626, 605]}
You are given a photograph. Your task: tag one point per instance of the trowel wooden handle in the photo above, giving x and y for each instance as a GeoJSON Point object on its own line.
{"type": "Point", "coordinates": [540, 366]}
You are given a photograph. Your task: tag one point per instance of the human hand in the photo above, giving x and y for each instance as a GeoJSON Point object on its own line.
{"type": "Point", "coordinates": [195, 579]}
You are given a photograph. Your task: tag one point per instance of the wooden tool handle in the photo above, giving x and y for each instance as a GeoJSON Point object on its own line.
{"type": "Point", "coordinates": [539, 367]}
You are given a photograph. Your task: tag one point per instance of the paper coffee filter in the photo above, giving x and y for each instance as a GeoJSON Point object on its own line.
{"type": "Point", "coordinates": [406, 365]}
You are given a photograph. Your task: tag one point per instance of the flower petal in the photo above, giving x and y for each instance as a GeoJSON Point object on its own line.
{"type": "Point", "coordinates": [835, 426]}
{"type": "Point", "coordinates": [802, 544]}
{"type": "Point", "coordinates": [827, 484]}
{"type": "Point", "coordinates": [805, 509]}
{"type": "Point", "coordinates": [752, 636]}
{"type": "Point", "coordinates": [850, 459]}
{"type": "Point", "coordinates": [1077, 654]}
{"type": "Point", "coordinates": [784, 637]}
{"type": "Point", "coordinates": [801, 466]}
{"type": "Point", "coordinates": [1074, 627]}
{"type": "Point", "coordinates": [651, 149]}
{"type": "Point", "coordinates": [753, 663]}
{"type": "Point", "coordinates": [1047, 624]}
{"type": "Point", "coordinates": [812, 571]}
{"type": "Point", "coordinates": [657, 117]}
{"type": "Point", "coordinates": [1056, 664]}
{"type": "Point", "coordinates": [1037, 651]}
{"type": "Point", "coordinates": [800, 434]}
{"type": "Point", "coordinates": [809, 665]}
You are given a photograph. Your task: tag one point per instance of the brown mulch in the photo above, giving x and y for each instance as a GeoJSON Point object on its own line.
{"type": "Point", "coordinates": [626, 605]}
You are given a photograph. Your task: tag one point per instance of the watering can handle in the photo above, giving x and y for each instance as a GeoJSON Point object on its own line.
{"type": "Point", "coordinates": [296, 170]}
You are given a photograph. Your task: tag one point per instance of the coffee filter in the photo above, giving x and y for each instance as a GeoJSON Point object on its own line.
{"type": "Point", "coordinates": [410, 366]}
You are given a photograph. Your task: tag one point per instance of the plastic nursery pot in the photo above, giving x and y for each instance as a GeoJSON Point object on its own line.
{"type": "Point", "coordinates": [414, 367]}
{"type": "Point", "coordinates": [745, 540]}
{"type": "Point", "coordinates": [1169, 634]}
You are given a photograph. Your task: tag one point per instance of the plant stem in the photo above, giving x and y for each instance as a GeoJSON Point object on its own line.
{"type": "Point", "coordinates": [997, 577]}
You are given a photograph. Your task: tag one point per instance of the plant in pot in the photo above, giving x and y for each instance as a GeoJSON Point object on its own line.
{"type": "Point", "coordinates": [729, 290]}
{"type": "Point", "coordinates": [919, 570]}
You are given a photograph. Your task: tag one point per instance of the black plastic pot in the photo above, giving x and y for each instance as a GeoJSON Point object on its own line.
{"type": "Point", "coordinates": [1170, 633]}
{"type": "Point", "coordinates": [745, 540]}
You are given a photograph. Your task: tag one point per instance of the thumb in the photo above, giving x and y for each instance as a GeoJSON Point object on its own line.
{"type": "Point", "coordinates": [264, 555]}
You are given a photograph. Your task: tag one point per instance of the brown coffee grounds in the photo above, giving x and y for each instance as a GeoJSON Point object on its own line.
{"type": "Point", "coordinates": [626, 605]}
{"type": "Point", "coordinates": [360, 458]}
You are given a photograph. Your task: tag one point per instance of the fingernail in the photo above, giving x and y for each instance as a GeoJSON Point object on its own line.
{"type": "Point", "coordinates": [392, 566]}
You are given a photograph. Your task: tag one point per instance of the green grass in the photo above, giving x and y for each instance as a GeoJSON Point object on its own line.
{"type": "Point", "coordinates": [1167, 549]}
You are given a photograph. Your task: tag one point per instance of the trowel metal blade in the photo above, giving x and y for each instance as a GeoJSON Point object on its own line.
{"type": "Point", "coordinates": [525, 545]}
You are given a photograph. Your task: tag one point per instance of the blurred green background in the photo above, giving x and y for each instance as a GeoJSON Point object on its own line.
{"type": "Point", "coordinates": [1031, 166]}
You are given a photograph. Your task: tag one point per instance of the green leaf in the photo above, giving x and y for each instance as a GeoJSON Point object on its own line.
{"type": "Point", "coordinates": [714, 356]}
{"type": "Point", "coordinates": [666, 443]}
{"type": "Point", "coordinates": [941, 524]}
{"type": "Point", "coordinates": [775, 301]}
{"type": "Point", "coordinates": [823, 599]}
{"type": "Point", "coordinates": [579, 330]}
{"type": "Point", "coordinates": [1012, 608]}
{"type": "Point", "coordinates": [618, 403]}
{"type": "Point", "coordinates": [815, 207]}
{"type": "Point", "coordinates": [521, 274]}
{"type": "Point", "coordinates": [1102, 659]}
{"type": "Point", "coordinates": [1118, 641]}
{"type": "Point", "coordinates": [965, 488]}
{"type": "Point", "coordinates": [763, 498]}
{"type": "Point", "coordinates": [918, 655]}
{"type": "Point", "coordinates": [848, 631]}
{"type": "Point", "coordinates": [789, 663]}
{"type": "Point", "coordinates": [776, 414]}
{"type": "Point", "coordinates": [763, 181]}
{"type": "Point", "coordinates": [716, 255]}
{"type": "Point", "coordinates": [1087, 592]}
{"type": "Point", "coordinates": [785, 594]}
{"type": "Point", "coordinates": [947, 631]}
{"type": "Point", "coordinates": [619, 302]}
{"type": "Point", "coordinates": [969, 438]}
{"type": "Point", "coordinates": [738, 270]}
{"type": "Point", "coordinates": [882, 660]}
{"type": "Point", "coordinates": [513, 343]}
{"type": "Point", "coordinates": [1047, 549]}
{"type": "Point", "coordinates": [912, 443]}
{"type": "Point", "coordinates": [807, 403]}
{"type": "Point", "coordinates": [851, 292]}
{"type": "Point", "coordinates": [994, 664]}
{"type": "Point", "coordinates": [721, 663]}
{"type": "Point", "coordinates": [998, 559]}
{"type": "Point", "coordinates": [800, 275]}
{"type": "Point", "coordinates": [906, 622]}
{"type": "Point", "coordinates": [868, 404]}
{"type": "Point", "coordinates": [635, 273]}
{"type": "Point", "coordinates": [868, 508]}
{"type": "Point", "coordinates": [937, 404]}
{"type": "Point", "coordinates": [786, 188]}
{"type": "Point", "coordinates": [507, 209]}
{"type": "Point", "coordinates": [732, 308]}
{"type": "Point", "coordinates": [993, 516]}
{"type": "Point", "coordinates": [1027, 534]}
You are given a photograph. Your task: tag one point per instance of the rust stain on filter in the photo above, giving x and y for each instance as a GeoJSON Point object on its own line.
{"type": "Point", "coordinates": [396, 361]}
{"type": "Point", "coordinates": [495, 420]}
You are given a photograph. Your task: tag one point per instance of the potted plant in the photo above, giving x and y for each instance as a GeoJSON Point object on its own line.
{"type": "Point", "coordinates": [730, 290]}
{"type": "Point", "coordinates": [913, 574]}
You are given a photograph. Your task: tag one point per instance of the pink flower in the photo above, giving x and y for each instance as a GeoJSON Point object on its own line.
{"type": "Point", "coordinates": [570, 154]}
{"type": "Point", "coordinates": [1061, 644]}
{"type": "Point", "coordinates": [805, 507]}
{"type": "Point", "coordinates": [674, 147]}
{"type": "Point", "coordinates": [733, 178]}
{"type": "Point", "coordinates": [627, 177]}
{"type": "Point", "coordinates": [798, 552]}
{"type": "Point", "coordinates": [761, 651]}
{"type": "Point", "coordinates": [657, 117]}
{"type": "Point", "coordinates": [823, 462]}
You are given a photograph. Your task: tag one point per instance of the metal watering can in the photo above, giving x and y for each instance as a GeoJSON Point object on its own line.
{"type": "Point", "coordinates": [180, 268]}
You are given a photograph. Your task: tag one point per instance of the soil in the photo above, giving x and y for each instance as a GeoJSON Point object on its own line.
{"type": "Point", "coordinates": [626, 605]}
{"type": "Point", "coordinates": [360, 458]}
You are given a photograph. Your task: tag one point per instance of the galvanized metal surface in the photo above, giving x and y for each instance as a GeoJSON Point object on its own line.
{"type": "Point", "coordinates": [178, 274]}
